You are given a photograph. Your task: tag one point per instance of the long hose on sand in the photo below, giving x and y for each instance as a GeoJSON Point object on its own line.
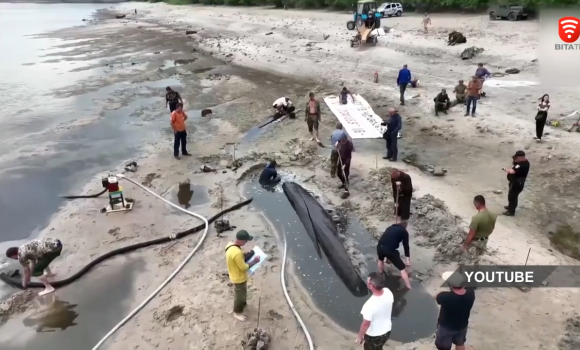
{"type": "Point", "coordinates": [177, 270]}
{"type": "Point", "coordinates": [294, 311]}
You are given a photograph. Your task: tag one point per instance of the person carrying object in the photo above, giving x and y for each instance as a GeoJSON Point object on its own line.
{"type": "Point", "coordinates": [238, 265]}
{"type": "Point", "coordinates": [172, 98]}
{"type": "Point", "coordinates": [344, 93]}
{"type": "Point", "coordinates": [344, 148]}
{"type": "Point", "coordinates": [460, 92]}
{"type": "Point", "coordinates": [312, 116]}
{"type": "Point", "coordinates": [403, 79]}
{"type": "Point", "coordinates": [442, 102]}
{"type": "Point", "coordinates": [388, 250]}
{"type": "Point", "coordinates": [402, 186]}
{"type": "Point", "coordinates": [481, 227]}
{"type": "Point", "coordinates": [517, 178]}
{"type": "Point", "coordinates": [414, 83]}
{"type": "Point", "coordinates": [482, 73]}
{"type": "Point", "coordinates": [336, 136]}
{"type": "Point", "coordinates": [35, 257]}
{"type": "Point", "coordinates": [394, 125]}
{"type": "Point", "coordinates": [456, 305]}
{"type": "Point", "coordinates": [473, 93]}
{"type": "Point", "coordinates": [178, 118]}
{"type": "Point", "coordinates": [542, 116]}
{"type": "Point", "coordinates": [376, 312]}
{"type": "Point", "coordinates": [269, 175]}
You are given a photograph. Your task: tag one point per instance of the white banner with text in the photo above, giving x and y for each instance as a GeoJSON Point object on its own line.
{"type": "Point", "coordinates": [357, 117]}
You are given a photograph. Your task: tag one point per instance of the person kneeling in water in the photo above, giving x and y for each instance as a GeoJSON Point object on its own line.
{"type": "Point", "coordinates": [35, 256]}
{"type": "Point", "coordinates": [269, 175]}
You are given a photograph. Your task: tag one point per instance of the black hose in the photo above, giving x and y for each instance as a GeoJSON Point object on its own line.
{"type": "Point", "coordinates": [17, 282]}
{"type": "Point", "coordinates": [86, 196]}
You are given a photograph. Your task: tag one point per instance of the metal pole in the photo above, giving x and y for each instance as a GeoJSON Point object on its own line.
{"type": "Point", "coordinates": [398, 190]}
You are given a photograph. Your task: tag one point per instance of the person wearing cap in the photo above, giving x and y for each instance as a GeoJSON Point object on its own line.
{"type": "Point", "coordinates": [172, 98]}
{"type": "Point", "coordinates": [336, 136]}
{"type": "Point", "coordinates": [442, 102]}
{"type": "Point", "coordinates": [455, 308]}
{"type": "Point", "coordinates": [481, 227]}
{"type": "Point", "coordinates": [238, 265]}
{"type": "Point", "coordinates": [375, 329]}
{"type": "Point", "coordinates": [517, 178]}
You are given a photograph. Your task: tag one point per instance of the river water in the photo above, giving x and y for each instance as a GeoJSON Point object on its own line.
{"type": "Point", "coordinates": [48, 145]}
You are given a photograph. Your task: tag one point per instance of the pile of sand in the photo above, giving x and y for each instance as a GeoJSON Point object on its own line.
{"type": "Point", "coordinates": [378, 186]}
{"type": "Point", "coordinates": [17, 303]}
{"type": "Point", "coordinates": [441, 229]}
{"type": "Point", "coordinates": [571, 339]}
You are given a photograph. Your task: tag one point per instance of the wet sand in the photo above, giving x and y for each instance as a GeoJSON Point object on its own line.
{"type": "Point", "coordinates": [243, 100]}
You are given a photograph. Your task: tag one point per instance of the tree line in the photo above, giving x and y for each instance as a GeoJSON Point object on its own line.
{"type": "Point", "coordinates": [409, 5]}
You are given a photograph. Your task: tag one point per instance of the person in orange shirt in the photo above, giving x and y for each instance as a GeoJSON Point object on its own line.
{"type": "Point", "coordinates": [178, 118]}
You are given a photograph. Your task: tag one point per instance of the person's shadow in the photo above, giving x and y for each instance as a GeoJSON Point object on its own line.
{"type": "Point", "coordinates": [398, 288]}
{"type": "Point", "coordinates": [184, 194]}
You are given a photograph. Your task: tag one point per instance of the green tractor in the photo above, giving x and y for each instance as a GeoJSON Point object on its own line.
{"type": "Point", "coordinates": [366, 14]}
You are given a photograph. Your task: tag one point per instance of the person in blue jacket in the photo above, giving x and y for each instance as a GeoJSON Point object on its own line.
{"type": "Point", "coordinates": [269, 175]}
{"type": "Point", "coordinates": [394, 125]}
{"type": "Point", "coordinates": [403, 80]}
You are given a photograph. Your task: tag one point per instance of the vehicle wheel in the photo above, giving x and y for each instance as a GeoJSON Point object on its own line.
{"type": "Point", "coordinates": [492, 16]}
{"type": "Point", "coordinates": [350, 25]}
{"type": "Point", "coordinates": [377, 23]}
{"type": "Point", "coordinates": [352, 43]}
{"type": "Point", "coordinates": [512, 16]}
{"type": "Point", "coordinates": [375, 41]}
{"type": "Point", "coordinates": [103, 210]}
{"type": "Point", "coordinates": [399, 14]}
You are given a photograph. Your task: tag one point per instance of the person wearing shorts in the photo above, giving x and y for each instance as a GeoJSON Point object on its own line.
{"type": "Point", "coordinates": [375, 328]}
{"type": "Point", "coordinates": [312, 116]}
{"type": "Point", "coordinates": [402, 193]}
{"type": "Point", "coordinates": [388, 250]}
{"type": "Point", "coordinates": [35, 257]}
{"type": "Point", "coordinates": [456, 305]}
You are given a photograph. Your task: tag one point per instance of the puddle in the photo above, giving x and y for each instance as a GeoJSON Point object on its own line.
{"type": "Point", "coordinates": [508, 83]}
{"type": "Point", "coordinates": [413, 311]}
{"type": "Point", "coordinates": [77, 316]}
{"type": "Point", "coordinates": [187, 195]}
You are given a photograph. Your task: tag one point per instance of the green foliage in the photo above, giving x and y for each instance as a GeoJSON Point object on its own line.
{"type": "Point", "coordinates": [432, 5]}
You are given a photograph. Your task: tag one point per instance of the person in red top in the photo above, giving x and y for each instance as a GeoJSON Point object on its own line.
{"type": "Point", "coordinates": [178, 118]}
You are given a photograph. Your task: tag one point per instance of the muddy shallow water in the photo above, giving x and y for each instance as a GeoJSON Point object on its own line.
{"type": "Point", "coordinates": [413, 311]}
{"type": "Point", "coordinates": [77, 316]}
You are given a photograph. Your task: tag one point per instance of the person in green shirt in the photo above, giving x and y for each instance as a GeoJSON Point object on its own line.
{"type": "Point", "coordinates": [481, 227]}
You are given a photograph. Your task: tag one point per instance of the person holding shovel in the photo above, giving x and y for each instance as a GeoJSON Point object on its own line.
{"type": "Point", "coordinates": [344, 147]}
{"type": "Point", "coordinates": [402, 194]}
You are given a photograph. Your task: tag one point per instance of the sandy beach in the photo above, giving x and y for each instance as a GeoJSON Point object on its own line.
{"type": "Point", "coordinates": [233, 65]}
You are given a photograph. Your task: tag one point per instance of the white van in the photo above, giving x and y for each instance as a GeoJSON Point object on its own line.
{"type": "Point", "coordinates": [389, 9]}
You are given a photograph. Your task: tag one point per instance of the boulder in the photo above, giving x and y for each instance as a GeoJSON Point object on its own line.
{"type": "Point", "coordinates": [471, 52]}
{"type": "Point", "coordinates": [205, 112]}
{"type": "Point", "coordinates": [512, 71]}
{"type": "Point", "coordinates": [456, 38]}
{"type": "Point", "coordinates": [189, 32]}
{"type": "Point", "coordinates": [120, 16]}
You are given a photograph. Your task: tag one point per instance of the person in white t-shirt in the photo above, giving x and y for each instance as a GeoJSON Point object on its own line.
{"type": "Point", "coordinates": [282, 105]}
{"type": "Point", "coordinates": [375, 329]}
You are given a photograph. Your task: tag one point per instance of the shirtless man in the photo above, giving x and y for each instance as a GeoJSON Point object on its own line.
{"type": "Point", "coordinates": [426, 22]}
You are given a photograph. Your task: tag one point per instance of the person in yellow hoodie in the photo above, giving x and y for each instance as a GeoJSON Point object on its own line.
{"type": "Point", "coordinates": [238, 266]}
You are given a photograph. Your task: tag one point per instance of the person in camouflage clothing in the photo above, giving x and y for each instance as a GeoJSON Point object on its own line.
{"type": "Point", "coordinates": [35, 256]}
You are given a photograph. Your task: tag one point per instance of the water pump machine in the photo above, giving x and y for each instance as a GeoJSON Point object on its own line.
{"type": "Point", "coordinates": [117, 201]}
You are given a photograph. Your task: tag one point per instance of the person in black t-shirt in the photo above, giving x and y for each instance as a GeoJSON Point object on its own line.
{"type": "Point", "coordinates": [454, 313]}
{"type": "Point", "coordinates": [388, 249]}
{"type": "Point", "coordinates": [517, 177]}
{"type": "Point", "coordinates": [172, 98]}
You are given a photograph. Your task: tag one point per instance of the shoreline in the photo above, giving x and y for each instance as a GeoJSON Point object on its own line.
{"type": "Point", "coordinates": [506, 244]}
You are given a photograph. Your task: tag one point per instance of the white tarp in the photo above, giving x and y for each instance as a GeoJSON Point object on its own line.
{"type": "Point", "coordinates": [357, 118]}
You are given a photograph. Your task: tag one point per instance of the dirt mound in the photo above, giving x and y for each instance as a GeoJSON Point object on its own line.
{"type": "Point", "coordinates": [258, 339]}
{"type": "Point", "coordinates": [571, 339]}
{"type": "Point", "coordinates": [442, 229]}
{"type": "Point", "coordinates": [381, 199]}
{"type": "Point", "coordinates": [17, 303]}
